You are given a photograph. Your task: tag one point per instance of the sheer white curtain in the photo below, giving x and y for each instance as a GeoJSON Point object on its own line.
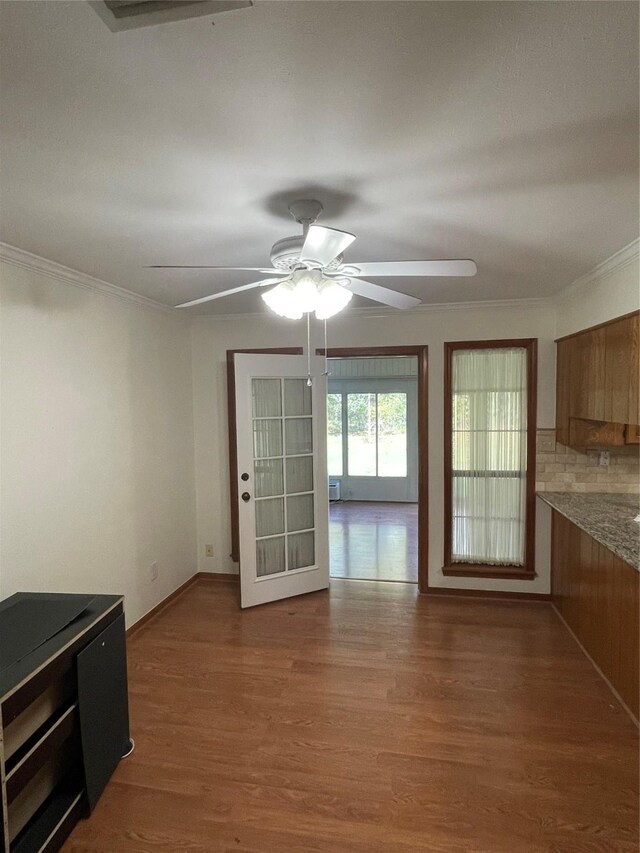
{"type": "Point", "coordinates": [283, 474]}
{"type": "Point", "coordinates": [489, 455]}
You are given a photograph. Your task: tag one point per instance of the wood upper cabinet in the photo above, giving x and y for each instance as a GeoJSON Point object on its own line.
{"type": "Point", "coordinates": [598, 377]}
{"type": "Point", "coordinates": [596, 371]}
{"type": "Point", "coordinates": [619, 338]}
{"type": "Point", "coordinates": [634, 377]}
{"type": "Point", "coordinates": [564, 398]}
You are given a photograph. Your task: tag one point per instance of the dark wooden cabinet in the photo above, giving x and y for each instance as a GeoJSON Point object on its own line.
{"type": "Point", "coordinates": [598, 595]}
{"type": "Point", "coordinates": [63, 712]}
{"type": "Point", "coordinates": [597, 384]}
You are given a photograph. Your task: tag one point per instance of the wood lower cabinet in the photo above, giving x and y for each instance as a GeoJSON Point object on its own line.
{"type": "Point", "coordinates": [597, 379]}
{"type": "Point", "coordinates": [598, 595]}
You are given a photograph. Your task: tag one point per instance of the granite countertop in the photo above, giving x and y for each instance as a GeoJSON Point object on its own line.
{"type": "Point", "coordinates": [608, 518]}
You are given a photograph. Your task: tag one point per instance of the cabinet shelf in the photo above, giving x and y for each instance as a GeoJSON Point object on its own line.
{"type": "Point", "coordinates": [27, 760]}
{"type": "Point", "coordinates": [59, 807]}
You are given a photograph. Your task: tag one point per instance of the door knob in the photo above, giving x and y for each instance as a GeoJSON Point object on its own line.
{"type": "Point", "coordinates": [244, 476]}
{"type": "Point", "coordinates": [246, 496]}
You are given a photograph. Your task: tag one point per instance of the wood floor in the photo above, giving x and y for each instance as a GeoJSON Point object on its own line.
{"type": "Point", "coordinates": [374, 540]}
{"type": "Point", "coordinates": [366, 720]}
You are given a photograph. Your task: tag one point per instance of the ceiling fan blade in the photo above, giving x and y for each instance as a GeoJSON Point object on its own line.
{"type": "Point", "coordinates": [381, 294]}
{"type": "Point", "coordinates": [267, 270]}
{"type": "Point", "coordinates": [322, 245]}
{"type": "Point", "coordinates": [222, 293]}
{"type": "Point", "coordinates": [412, 268]}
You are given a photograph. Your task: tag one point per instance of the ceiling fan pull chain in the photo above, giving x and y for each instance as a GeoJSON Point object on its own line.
{"type": "Point", "coordinates": [326, 351]}
{"type": "Point", "coordinates": [309, 380]}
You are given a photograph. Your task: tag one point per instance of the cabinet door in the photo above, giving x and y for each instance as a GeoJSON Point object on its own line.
{"type": "Point", "coordinates": [634, 377]}
{"type": "Point", "coordinates": [588, 377]}
{"type": "Point", "coordinates": [596, 374]}
{"type": "Point", "coordinates": [579, 387]}
{"type": "Point", "coordinates": [618, 341]}
{"type": "Point", "coordinates": [563, 390]}
{"type": "Point", "coordinates": [103, 706]}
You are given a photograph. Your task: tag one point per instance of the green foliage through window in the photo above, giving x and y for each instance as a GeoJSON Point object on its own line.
{"type": "Point", "coordinates": [376, 434]}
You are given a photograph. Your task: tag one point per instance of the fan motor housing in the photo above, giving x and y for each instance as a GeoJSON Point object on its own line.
{"type": "Point", "coordinates": [285, 254]}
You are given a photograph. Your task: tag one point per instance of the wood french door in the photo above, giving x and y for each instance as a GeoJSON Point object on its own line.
{"type": "Point", "coordinates": [281, 477]}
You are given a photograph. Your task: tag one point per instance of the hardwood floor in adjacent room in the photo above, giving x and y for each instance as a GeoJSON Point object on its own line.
{"type": "Point", "coordinates": [374, 540]}
{"type": "Point", "coordinates": [366, 720]}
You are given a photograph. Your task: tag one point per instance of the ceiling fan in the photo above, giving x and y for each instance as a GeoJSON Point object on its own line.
{"type": "Point", "coordinates": [310, 274]}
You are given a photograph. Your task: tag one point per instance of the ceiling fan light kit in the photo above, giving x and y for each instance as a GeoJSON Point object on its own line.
{"type": "Point", "coordinates": [307, 291]}
{"type": "Point", "coordinates": [317, 279]}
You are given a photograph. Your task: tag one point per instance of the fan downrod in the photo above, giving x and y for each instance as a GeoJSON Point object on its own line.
{"type": "Point", "coordinates": [305, 211]}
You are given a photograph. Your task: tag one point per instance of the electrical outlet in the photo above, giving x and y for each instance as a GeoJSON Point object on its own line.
{"type": "Point", "coordinates": [546, 441]}
{"type": "Point", "coordinates": [153, 571]}
{"type": "Point", "coordinates": [208, 550]}
{"type": "Point", "coordinates": [604, 458]}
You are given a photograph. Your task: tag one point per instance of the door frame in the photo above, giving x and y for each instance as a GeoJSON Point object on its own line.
{"type": "Point", "coordinates": [421, 352]}
{"type": "Point", "coordinates": [233, 440]}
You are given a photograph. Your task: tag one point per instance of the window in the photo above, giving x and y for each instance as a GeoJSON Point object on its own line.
{"type": "Point", "coordinates": [334, 434]}
{"type": "Point", "coordinates": [361, 435]}
{"type": "Point", "coordinates": [376, 432]}
{"type": "Point", "coordinates": [392, 435]}
{"type": "Point", "coordinates": [489, 457]}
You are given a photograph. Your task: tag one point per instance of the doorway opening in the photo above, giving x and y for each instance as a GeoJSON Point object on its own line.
{"type": "Point", "coordinates": [376, 455]}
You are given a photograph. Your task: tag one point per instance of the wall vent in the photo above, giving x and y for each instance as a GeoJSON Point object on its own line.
{"type": "Point", "coordinates": [129, 14]}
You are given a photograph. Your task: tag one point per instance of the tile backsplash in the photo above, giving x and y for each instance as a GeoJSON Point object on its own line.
{"type": "Point", "coordinates": [567, 470]}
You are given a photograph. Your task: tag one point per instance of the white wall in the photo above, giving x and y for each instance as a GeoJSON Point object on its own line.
{"type": "Point", "coordinates": [100, 400]}
{"type": "Point", "coordinates": [213, 336]}
{"type": "Point", "coordinates": [609, 291]}
{"type": "Point", "coordinates": [96, 443]}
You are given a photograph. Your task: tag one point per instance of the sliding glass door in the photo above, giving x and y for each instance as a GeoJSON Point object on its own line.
{"type": "Point", "coordinates": [372, 438]}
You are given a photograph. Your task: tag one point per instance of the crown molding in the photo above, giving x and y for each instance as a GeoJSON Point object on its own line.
{"type": "Point", "coordinates": [27, 260]}
{"type": "Point", "coordinates": [618, 261]}
{"type": "Point", "coordinates": [20, 258]}
{"type": "Point", "coordinates": [370, 313]}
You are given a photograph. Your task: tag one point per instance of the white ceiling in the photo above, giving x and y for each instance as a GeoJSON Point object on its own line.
{"type": "Point", "coordinates": [503, 132]}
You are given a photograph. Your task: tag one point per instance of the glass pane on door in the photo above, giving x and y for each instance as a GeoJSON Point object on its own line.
{"type": "Point", "coordinates": [270, 559]}
{"type": "Point", "coordinates": [269, 478]}
{"type": "Point", "coordinates": [300, 512]}
{"type": "Point", "coordinates": [298, 436]}
{"type": "Point", "coordinates": [267, 438]}
{"type": "Point", "coordinates": [297, 397]}
{"type": "Point", "coordinates": [300, 474]}
{"type": "Point", "coordinates": [267, 399]}
{"type": "Point", "coordinates": [301, 550]}
{"type": "Point", "coordinates": [269, 516]}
